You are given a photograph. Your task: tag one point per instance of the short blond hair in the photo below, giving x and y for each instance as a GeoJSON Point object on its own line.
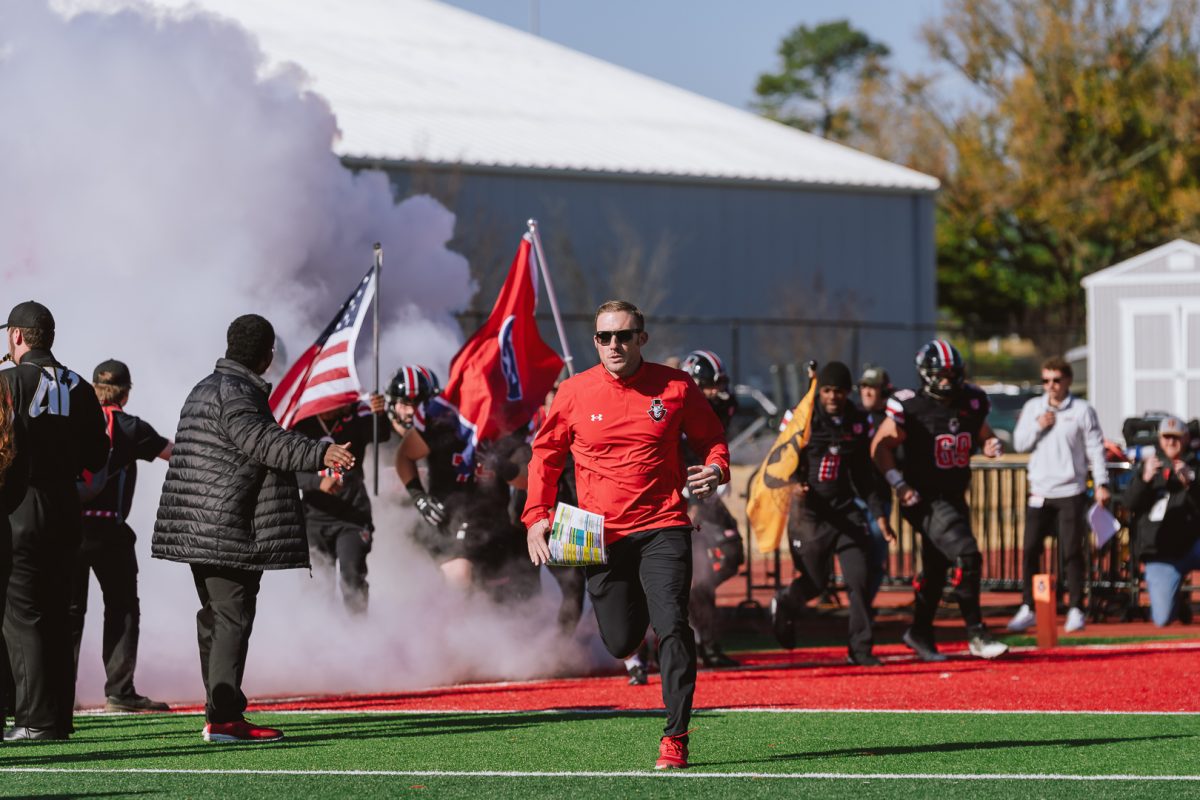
{"type": "Point", "coordinates": [622, 306]}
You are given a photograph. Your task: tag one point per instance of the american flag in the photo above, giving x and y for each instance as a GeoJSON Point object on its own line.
{"type": "Point", "coordinates": [324, 377]}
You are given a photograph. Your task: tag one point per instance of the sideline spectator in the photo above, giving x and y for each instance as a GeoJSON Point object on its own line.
{"type": "Point", "coordinates": [230, 509]}
{"type": "Point", "coordinates": [622, 420]}
{"type": "Point", "coordinates": [64, 435]}
{"type": "Point", "coordinates": [108, 542]}
{"type": "Point", "coordinates": [1165, 497]}
{"type": "Point", "coordinates": [14, 477]}
{"type": "Point", "coordinates": [1062, 434]}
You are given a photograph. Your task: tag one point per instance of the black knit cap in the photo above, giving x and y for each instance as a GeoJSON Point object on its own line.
{"type": "Point", "coordinates": [835, 373]}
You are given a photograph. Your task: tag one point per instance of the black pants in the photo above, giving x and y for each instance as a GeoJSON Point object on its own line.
{"type": "Point", "coordinates": [717, 553]}
{"type": "Point", "coordinates": [7, 689]}
{"type": "Point", "coordinates": [107, 550]}
{"type": "Point", "coordinates": [646, 581]}
{"type": "Point", "coordinates": [228, 602]}
{"type": "Point", "coordinates": [814, 537]}
{"type": "Point", "coordinates": [946, 539]}
{"type": "Point", "coordinates": [45, 542]}
{"type": "Point", "coordinates": [1068, 513]}
{"type": "Point", "coordinates": [347, 545]}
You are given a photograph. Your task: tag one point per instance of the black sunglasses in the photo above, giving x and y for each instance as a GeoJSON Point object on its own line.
{"type": "Point", "coordinates": [623, 336]}
{"type": "Point", "coordinates": [1047, 381]}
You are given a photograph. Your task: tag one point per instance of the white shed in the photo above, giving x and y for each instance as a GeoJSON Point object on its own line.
{"type": "Point", "coordinates": [1144, 335]}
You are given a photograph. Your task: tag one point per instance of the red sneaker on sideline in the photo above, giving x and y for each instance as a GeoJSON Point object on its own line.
{"type": "Point", "coordinates": [672, 752]}
{"type": "Point", "coordinates": [240, 731]}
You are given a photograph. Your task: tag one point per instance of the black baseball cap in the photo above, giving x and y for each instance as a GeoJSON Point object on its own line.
{"type": "Point", "coordinates": [30, 314]}
{"type": "Point", "coordinates": [115, 374]}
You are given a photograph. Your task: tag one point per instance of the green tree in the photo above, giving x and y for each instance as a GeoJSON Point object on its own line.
{"type": "Point", "coordinates": [1082, 152]}
{"type": "Point", "coordinates": [819, 68]}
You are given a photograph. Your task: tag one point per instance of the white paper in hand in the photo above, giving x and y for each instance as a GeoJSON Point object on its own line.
{"type": "Point", "coordinates": [1104, 524]}
{"type": "Point", "coordinates": [576, 537]}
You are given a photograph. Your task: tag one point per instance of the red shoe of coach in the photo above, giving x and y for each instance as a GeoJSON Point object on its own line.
{"type": "Point", "coordinates": [672, 752]}
{"type": "Point", "coordinates": [240, 731]}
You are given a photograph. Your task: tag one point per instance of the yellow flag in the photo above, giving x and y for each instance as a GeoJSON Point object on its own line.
{"type": "Point", "coordinates": [771, 489]}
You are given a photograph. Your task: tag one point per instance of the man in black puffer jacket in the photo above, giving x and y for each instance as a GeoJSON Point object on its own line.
{"type": "Point", "coordinates": [230, 508]}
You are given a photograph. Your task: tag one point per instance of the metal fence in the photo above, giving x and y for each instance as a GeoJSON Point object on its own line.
{"type": "Point", "coordinates": [750, 345]}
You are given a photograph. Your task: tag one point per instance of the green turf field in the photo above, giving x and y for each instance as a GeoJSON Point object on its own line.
{"type": "Point", "coordinates": [734, 755]}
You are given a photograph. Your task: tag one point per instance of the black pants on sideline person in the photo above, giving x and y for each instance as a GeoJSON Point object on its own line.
{"type": "Point", "coordinates": [348, 545]}
{"type": "Point", "coordinates": [107, 550]}
{"type": "Point", "coordinates": [228, 602]}
{"type": "Point", "coordinates": [946, 540]}
{"type": "Point", "coordinates": [45, 542]}
{"type": "Point", "coordinates": [813, 540]}
{"type": "Point", "coordinates": [1068, 513]}
{"type": "Point", "coordinates": [6, 678]}
{"type": "Point", "coordinates": [647, 579]}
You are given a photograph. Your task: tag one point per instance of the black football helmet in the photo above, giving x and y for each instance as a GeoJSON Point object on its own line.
{"type": "Point", "coordinates": [705, 368]}
{"type": "Point", "coordinates": [413, 384]}
{"type": "Point", "coordinates": [936, 361]}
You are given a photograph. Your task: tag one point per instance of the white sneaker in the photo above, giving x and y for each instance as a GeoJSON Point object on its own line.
{"type": "Point", "coordinates": [1023, 619]}
{"type": "Point", "coordinates": [1075, 621]}
{"type": "Point", "coordinates": [981, 644]}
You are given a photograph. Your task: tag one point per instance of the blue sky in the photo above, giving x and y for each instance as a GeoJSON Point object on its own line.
{"type": "Point", "coordinates": [715, 48]}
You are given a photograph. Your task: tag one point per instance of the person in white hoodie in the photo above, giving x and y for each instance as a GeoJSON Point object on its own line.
{"type": "Point", "coordinates": [1062, 435]}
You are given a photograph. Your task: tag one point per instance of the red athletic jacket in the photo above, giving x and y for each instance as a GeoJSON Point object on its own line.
{"type": "Point", "coordinates": [625, 434]}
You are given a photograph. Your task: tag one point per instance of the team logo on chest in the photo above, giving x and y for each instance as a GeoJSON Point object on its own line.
{"type": "Point", "coordinates": [657, 411]}
{"type": "Point", "coordinates": [953, 424]}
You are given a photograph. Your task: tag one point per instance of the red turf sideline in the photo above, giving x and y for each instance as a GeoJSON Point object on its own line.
{"type": "Point", "coordinates": [1143, 677]}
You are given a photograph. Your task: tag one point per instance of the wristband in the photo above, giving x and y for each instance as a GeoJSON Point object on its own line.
{"type": "Point", "coordinates": [894, 478]}
{"type": "Point", "coordinates": [720, 473]}
{"type": "Point", "coordinates": [414, 487]}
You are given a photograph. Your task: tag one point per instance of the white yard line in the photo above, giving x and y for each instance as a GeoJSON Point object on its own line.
{"type": "Point", "coordinates": [836, 776]}
{"type": "Point", "coordinates": [655, 712]}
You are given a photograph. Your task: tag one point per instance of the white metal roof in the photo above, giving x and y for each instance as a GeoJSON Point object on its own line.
{"type": "Point", "coordinates": [1180, 264]}
{"type": "Point", "coordinates": [420, 81]}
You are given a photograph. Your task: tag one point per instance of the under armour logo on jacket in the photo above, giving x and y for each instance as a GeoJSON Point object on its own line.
{"type": "Point", "coordinates": [597, 418]}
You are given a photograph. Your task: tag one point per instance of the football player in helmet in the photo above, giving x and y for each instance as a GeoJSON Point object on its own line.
{"type": "Point", "coordinates": [468, 528]}
{"type": "Point", "coordinates": [407, 392]}
{"type": "Point", "coordinates": [940, 426]}
{"type": "Point", "coordinates": [717, 547]}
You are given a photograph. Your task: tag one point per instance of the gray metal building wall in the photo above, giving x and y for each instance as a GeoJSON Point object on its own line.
{"type": "Point", "coordinates": [733, 250]}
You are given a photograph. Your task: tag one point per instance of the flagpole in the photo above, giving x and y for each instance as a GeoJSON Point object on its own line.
{"type": "Point", "coordinates": [378, 250]}
{"type": "Point", "coordinates": [541, 259]}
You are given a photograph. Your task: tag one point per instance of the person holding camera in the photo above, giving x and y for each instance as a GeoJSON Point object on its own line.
{"type": "Point", "coordinates": [1165, 499]}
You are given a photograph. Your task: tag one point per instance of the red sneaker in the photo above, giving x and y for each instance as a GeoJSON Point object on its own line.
{"type": "Point", "coordinates": [240, 731]}
{"type": "Point", "coordinates": [672, 752]}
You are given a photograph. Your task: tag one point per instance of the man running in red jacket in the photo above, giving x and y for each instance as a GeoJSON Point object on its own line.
{"type": "Point", "coordinates": [622, 421]}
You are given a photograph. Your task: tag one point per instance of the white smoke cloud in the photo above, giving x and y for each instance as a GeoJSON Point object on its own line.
{"type": "Point", "coordinates": [159, 178]}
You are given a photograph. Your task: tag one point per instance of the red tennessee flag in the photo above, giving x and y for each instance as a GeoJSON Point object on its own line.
{"type": "Point", "coordinates": [501, 375]}
{"type": "Point", "coordinates": [324, 377]}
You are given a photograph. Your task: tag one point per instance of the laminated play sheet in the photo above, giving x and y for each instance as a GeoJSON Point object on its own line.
{"type": "Point", "coordinates": [576, 537]}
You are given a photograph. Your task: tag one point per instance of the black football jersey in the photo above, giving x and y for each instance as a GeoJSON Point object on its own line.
{"type": "Point", "coordinates": [836, 463]}
{"type": "Point", "coordinates": [939, 438]}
